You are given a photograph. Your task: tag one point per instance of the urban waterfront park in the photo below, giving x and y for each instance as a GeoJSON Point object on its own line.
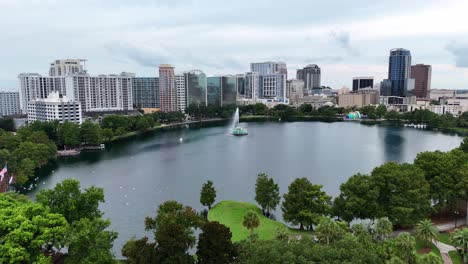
{"type": "Point", "coordinates": [139, 173]}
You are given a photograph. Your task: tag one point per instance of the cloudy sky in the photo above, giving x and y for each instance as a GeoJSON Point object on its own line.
{"type": "Point", "coordinates": [345, 38]}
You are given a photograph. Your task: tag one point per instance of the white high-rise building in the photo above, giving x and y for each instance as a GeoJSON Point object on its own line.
{"type": "Point", "coordinates": [95, 93]}
{"type": "Point", "coordinates": [54, 107]}
{"type": "Point", "coordinates": [272, 79]}
{"type": "Point", "coordinates": [181, 92]}
{"type": "Point", "coordinates": [67, 67]}
{"type": "Point", "coordinates": [9, 103]}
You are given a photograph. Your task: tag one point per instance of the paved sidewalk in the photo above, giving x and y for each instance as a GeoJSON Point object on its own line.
{"type": "Point", "coordinates": [444, 250]}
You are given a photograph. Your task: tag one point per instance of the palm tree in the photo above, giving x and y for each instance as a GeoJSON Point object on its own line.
{"type": "Point", "coordinates": [383, 229]}
{"type": "Point", "coordinates": [426, 231]}
{"type": "Point", "coordinates": [328, 230]}
{"type": "Point", "coordinates": [460, 239]}
{"type": "Point", "coordinates": [404, 245]}
{"type": "Point", "coordinates": [251, 221]}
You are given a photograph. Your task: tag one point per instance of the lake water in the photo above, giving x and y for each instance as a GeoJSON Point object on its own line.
{"type": "Point", "coordinates": [138, 174]}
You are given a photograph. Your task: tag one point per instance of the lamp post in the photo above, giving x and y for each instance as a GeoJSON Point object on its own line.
{"type": "Point", "coordinates": [456, 218]}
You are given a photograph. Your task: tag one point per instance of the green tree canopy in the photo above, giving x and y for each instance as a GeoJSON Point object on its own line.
{"type": "Point", "coordinates": [208, 194]}
{"type": "Point", "coordinates": [91, 133]}
{"type": "Point", "coordinates": [305, 203]}
{"type": "Point", "coordinates": [68, 200]}
{"type": "Point", "coordinates": [426, 232]}
{"type": "Point", "coordinates": [215, 245]}
{"type": "Point", "coordinates": [266, 193]}
{"type": "Point", "coordinates": [68, 135]}
{"type": "Point", "coordinates": [251, 221]}
{"type": "Point", "coordinates": [460, 239]}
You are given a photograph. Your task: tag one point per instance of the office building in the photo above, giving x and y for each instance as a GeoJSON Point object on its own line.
{"type": "Point", "coordinates": [272, 78]}
{"type": "Point", "coordinates": [311, 75]}
{"type": "Point", "coordinates": [167, 89]}
{"type": "Point", "coordinates": [181, 92]}
{"type": "Point", "coordinates": [240, 85]}
{"type": "Point", "coordinates": [67, 67]}
{"type": "Point", "coordinates": [359, 98]}
{"type": "Point", "coordinates": [454, 110]}
{"type": "Point", "coordinates": [54, 107]}
{"type": "Point", "coordinates": [399, 74]}
{"type": "Point", "coordinates": [422, 80]}
{"type": "Point", "coordinates": [9, 103]}
{"type": "Point", "coordinates": [146, 92]}
{"type": "Point", "coordinates": [251, 86]}
{"type": "Point", "coordinates": [214, 84]}
{"type": "Point", "coordinates": [195, 88]}
{"type": "Point", "coordinates": [294, 91]}
{"type": "Point", "coordinates": [362, 82]}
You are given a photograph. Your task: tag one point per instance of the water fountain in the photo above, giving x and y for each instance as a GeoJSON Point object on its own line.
{"type": "Point", "coordinates": [236, 129]}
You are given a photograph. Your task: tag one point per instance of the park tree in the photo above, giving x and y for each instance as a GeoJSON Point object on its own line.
{"type": "Point", "coordinates": [266, 193]}
{"type": "Point", "coordinates": [328, 231]}
{"type": "Point", "coordinates": [215, 245]}
{"type": "Point", "coordinates": [460, 240]}
{"type": "Point", "coordinates": [29, 230]}
{"type": "Point", "coordinates": [68, 135]}
{"type": "Point", "coordinates": [68, 200]}
{"type": "Point", "coordinates": [251, 221]}
{"type": "Point", "coordinates": [7, 124]}
{"type": "Point", "coordinates": [426, 232]}
{"type": "Point", "coordinates": [107, 134]}
{"type": "Point", "coordinates": [140, 251]}
{"type": "Point", "coordinates": [392, 115]}
{"type": "Point", "coordinates": [90, 133]}
{"type": "Point", "coordinates": [403, 193]}
{"type": "Point", "coordinates": [430, 258]}
{"type": "Point", "coordinates": [464, 144]}
{"type": "Point", "coordinates": [357, 199]}
{"type": "Point", "coordinates": [305, 203]}
{"type": "Point", "coordinates": [89, 242]}
{"type": "Point", "coordinates": [208, 194]}
{"type": "Point", "coordinates": [381, 110]}
{"type": "Point", "coordinates": [404, 247]}
{"type": "Point", "coordinates": [383, 228]}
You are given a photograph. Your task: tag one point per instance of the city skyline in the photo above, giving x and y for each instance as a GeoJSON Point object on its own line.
{"type": "Point", "coordinates": [126, 36]}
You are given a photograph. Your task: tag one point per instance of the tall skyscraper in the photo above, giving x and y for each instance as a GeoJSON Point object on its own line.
{"type": "Point", "coordinates": [399, 72]}
{"type": "Point", "coordinates": [422, 79]}
{"type": "Point", "coordinates": [311, 75]}
{"type": "Point", "coordinates": [195, 87]}
{"type": "Point", "coordinates": [269, 67]}
{"type": "Point", "coordinates": [67, 67]}
{"type": "Point", "coordinates": [213, 90]}
{"type": "Point", "coordinates": [146, 92]}
{"type": "Point", "coordinates": [362, 82]}
{"type": "Point", "coordinates": [167, 89]}
{"type": "Point", "coordinates": [251, 85]}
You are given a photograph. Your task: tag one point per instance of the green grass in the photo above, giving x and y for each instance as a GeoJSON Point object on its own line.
{"type": "Point", "coordinates": [445, 238]}
{"type": "Point", "coordinates": [420, 245]}
{"type": "Point", "coordinates": [456, 258]}
{"type": "Point", "coordinates": [231, 214]}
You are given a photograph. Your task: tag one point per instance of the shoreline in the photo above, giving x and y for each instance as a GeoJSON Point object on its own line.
{"type": "Point", "coordinates": [262, 118]}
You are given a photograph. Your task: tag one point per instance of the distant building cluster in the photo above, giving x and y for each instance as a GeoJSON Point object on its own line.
{"type": "Point", "coordinates": [407, 87]}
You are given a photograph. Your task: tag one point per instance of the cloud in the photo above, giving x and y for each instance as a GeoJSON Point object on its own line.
{"type": "Point", "coordinates": [460, 52]}
{"type": "Point", "coordinates": [343, 39]}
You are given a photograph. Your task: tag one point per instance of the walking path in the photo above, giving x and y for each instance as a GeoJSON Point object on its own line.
{"type": "Point", "coordinates": [444, 250]}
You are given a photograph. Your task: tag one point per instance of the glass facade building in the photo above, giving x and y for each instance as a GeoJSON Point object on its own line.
{"type": "Point", "coordinates": [228, 90]}
{"type": "Point", "coordinates": [399, 72]}
{"type": "Point", "coordinates": [214, 91]}
{"type": "Point", "coordinates": [146, 92]}
{"type": "Point", "coordinates": [196, 88]}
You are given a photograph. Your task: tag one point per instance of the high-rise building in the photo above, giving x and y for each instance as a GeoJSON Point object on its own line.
{"type": "Point", "coordinates": [54, 107]}
{"type": "Point", "coordinates": [213, 88]}
{"type": "Point", "coordinates": [35, 86]}
{"type": "Point", "coordinates": [272, 79]}
{"type": "Point", "coordinates": [181, 92]}
{"type": "Point", "coordinates": [294, 90]}
{"type": "Point", "coordinates": [399, 73]}
{"type": "Point", "coordinates": [167, 89]}
{"type": "Point", "coordinates": [228, 90]}
{"type": "Point", "coordinates": [146, 92]}
{"type": "Point", "coordinates": [67, 67]}
{"type": "Point", "coordinates": [311, 75]}
{"type": "Point", "coordinates": [195, 85]}
{"type": "Point", "coordinates": [9, 103]}
{"type": "Point", "coordinates": [362, 82]}
{"type": "Point", "coordinates": [251, 85]}
{"type": "Point", "coordinates": [422, 80]}
{"type": "Point", "coordinates": [240, 84]}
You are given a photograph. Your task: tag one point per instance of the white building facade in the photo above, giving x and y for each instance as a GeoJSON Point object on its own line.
{"type": "Point", "coordinates": [9, 103]}
{"type": "Point", "coordinates": [67, 67]}
{"type": "Point", "coordinates": [54, 107]}
{"type": "Point", "coordinates": [181, 92]}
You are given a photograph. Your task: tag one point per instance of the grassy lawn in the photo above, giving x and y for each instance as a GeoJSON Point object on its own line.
{"type": "Point", "coordinates": [445, 238]}
{"type": "Point", "coordinates": [420, 245]}
{"type": "Point", "coordinates": [456, 258]}
{"type": "Point", "coordinates": [231, 214]}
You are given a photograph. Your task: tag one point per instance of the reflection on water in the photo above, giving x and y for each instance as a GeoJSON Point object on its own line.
{"type": "Point", "coordinates": [139, 173]}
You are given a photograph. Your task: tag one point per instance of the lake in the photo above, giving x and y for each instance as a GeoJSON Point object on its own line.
{"type": "Point", "coordinates": [139, 173]}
